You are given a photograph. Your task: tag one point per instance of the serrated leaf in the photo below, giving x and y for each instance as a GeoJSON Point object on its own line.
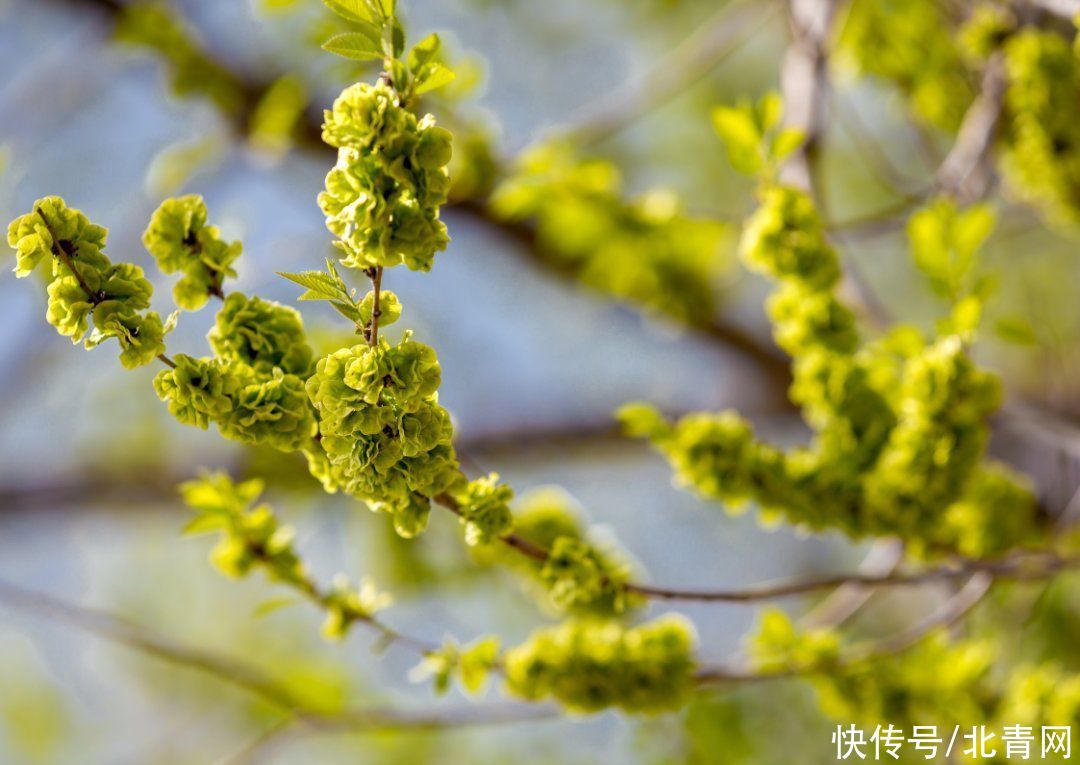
{"type": "Point", "coordinates": [357, 11]}
{"type": "Point", "coordinates": [315, 281]}
{"type": "Point", "coordinates": [436, 75]}
{"type": "Point", "coordinates": [316, 295]}
{"type": "Point", "coordinates": [354, 45]}
{"type": "Point", "coordinates": [348, 310]}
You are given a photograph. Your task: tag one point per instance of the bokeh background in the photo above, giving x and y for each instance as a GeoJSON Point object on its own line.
{"type": "Point", "coordinates": [533, 366]}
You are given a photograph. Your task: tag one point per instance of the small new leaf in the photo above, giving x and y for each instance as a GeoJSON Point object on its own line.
{"type": "Point", "coordinates": [424, 52]}
{"type": "Point", "coordinates": [435, 76]}
{"type": "Point", "coordinates": [358, 46]}
{"type": "Point", "coordinates": [320, 286]}
{"type": "Point", "coordinates": [348, 310]}
{"type": "Point", "coordinates": [356, 11]}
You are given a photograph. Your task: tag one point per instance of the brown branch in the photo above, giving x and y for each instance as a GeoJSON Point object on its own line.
{"type": "Point", "coordinates": [967, 172]}
{"type": "Point", "coordinates": [1018, 566]}
{"type": "Point", "coordinates": [804, 84]}
{"type": "Point", "coordinates": [847, 600]}
{"type": "Point", "coordinates": [949, 613]}
{"type": "Point", "coordinates": [248, 677]}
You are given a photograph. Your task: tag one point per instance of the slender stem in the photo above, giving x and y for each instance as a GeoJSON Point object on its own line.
{"type": "Point", "coordinates": [60, 248]}
{"type": "Point", "coordinates": [310, 589]}
{"type": "Point", "coordinates": [1020, 566]}
{"type": "Point", "coordinates": [249, 677]}
{"type": "Point", "coordinates": [376, 311]}
{"type": "Point", "coordinates": [952, 611]}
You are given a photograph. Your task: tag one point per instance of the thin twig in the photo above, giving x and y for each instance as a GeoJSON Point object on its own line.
{"type": "Point", "coordinates": [248, 677]}
{"type": "Point", "coordinates": [804, 84]}
{"type": "Point", "coordinates": [950, 612]}
{"type": "Point", "coordinates": [966, 172]}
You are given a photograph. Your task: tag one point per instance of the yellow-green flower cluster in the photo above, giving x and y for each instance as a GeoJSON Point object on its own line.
{"type": "Point", "coordinates": [250, 536]}
{"type": "Point", "coordinates": [253, 388]}
{"type": "Point", "coordinates": [935, 56]}
{"type": "Point", "coordinates": [778, 646]}
{"type": "Point", "coordinates": [901, 424]}
{"type": "Point", "coordinates": [382, 198]}
{"type": "Point", "coordinates": [382, 435]}
{"type": "Point", "coordinates": [250, 406]}
{"type": "Point", "coordinates": [347, 604]}
{"type": "Point", "coordinates": [180, 240]}
{"type": "Point", "coordinates": [484, 508]}
{"type": "Point", "coordinates": [471, 665]}
{"type": "Point", "coordinates": [588, 666]}
{"type": "Point", "coordinates": [261, 334]}
{"type": "Point", "coordinates": [912, 44]}
{"type": "Point", "coordinates": [586, 578]}
{"type": "Point", "coordinates": [85, 285]}
{"type": "Point", "coordinates": [1041, 134]}
{"type": "Point", "coordinates": [935, 682]}
{"type": "Point", "coordinates": [1044, 694]}
{"type": "Point", "coordinates": [647, 251]}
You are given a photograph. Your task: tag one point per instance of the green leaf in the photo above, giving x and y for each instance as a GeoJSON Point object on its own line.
{"type": "Point", "coordinates": [1016, 330]}
{"type": "Point", "coordinates": [204, 524]}
{"type": "Point", "coordinates": [354, 45]}
{"type": "Point", "coordinates": [769, 110]}
{"type": "Point", "coordinates": [742, 139]}
{"type": "Point", "coordinates": [786, 142]}
{"type": "Point", "coordinates": [424, 52]}
{"type": "Point", "coordinates": [970, 231]}
{"type": "Point", "coordinates": [397, 37]}
{"type": "Point", "coordinates": [268, 607]}
{"type": "Point", "coordinates": [348, 310]}
{"type": "Point", "coordinates": [357, 11]}
{"type": "Point", "coordinates": [436, 75]}
{"type": "Point", "coordinates": [320, 286]}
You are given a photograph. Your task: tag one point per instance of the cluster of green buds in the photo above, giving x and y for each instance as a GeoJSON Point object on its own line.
{"type": "Point", "coordinates": [251, 536]}
{"type": "Point", "coordinates": [938, 681]}
{"type": "Point", "coordinates": [346, 604]}
{"type": "Point", "coordinates": [1039, 143]}
{"type": "Point", "coordinates": [647, 251]}
{"type": "Point", "coordinates": [252, 388]}
{"type": "Point", "coordinates": [471, 665]}
{"type": "Point", "coordinates": [181, 240]}
{"type": "Point", "coordinates": [383, 196]}
{"type": "Point", "coordinates": [901, 423]}
{"type": "Point", "coordinates": [914, 46]}
{"type": "Point", "coordinates": [383, 437]}
{"type": "Point", "coordinates": [1041, 135]}
{"type": "Point", "coordinates": [588, 666]}
{"type": "Point", "coordinates": [84, 285]}
{"type": "Point", "coordinates": [484, 508]}
{"type": "Point", "coordinates": [584, 577]}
